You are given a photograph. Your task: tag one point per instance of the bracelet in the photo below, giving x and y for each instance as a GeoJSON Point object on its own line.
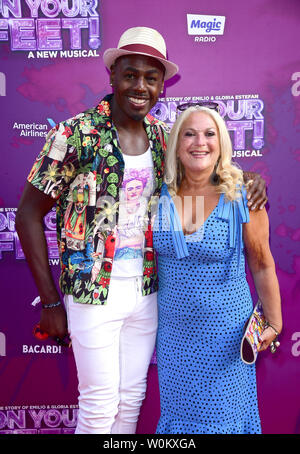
{"type": "Point", "coordinates": [275, 343]}
{"type": "Point", "coordinates": [49, 306]}
{"type": "Point", "coordinates": [268, 325]}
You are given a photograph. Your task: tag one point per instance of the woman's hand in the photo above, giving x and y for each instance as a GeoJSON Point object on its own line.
{"type": "Point", "coordinates": [256, 190]}
{"type": "Point", "coordinates": [267, 337]}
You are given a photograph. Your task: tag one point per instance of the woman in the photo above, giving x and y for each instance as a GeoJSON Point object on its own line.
{"type": "Point", "coordinates": [204, 299]}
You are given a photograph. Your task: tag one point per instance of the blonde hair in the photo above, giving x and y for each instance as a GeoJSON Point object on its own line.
{"type": "Point", "coordinates": [229, 173]}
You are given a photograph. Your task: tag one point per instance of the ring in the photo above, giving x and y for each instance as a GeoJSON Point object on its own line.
{"type": "Point", "coordinates": [62, 342]}
{"type": "Point", "coordinates": [274, 345]}
{"type": "Point", "coordinates": [59, 341]}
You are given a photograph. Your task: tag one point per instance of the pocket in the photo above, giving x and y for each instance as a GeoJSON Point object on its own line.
{"type": "Point", "coordinates": [67, 300]}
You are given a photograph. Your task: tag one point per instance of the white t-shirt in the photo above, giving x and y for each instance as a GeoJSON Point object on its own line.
{"type": "Point", "coordinates": [137, 188]}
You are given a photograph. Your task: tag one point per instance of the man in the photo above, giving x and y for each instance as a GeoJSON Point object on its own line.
{"type": "Point", "coordinates": [108, 270]}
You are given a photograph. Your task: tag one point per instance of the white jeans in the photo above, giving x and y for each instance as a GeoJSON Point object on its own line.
{"type": "Point", "coordinates": [113, 346]}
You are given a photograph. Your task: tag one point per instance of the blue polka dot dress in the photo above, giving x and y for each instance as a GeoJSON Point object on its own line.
{"type": "Point", "coordinates": [204, 302]}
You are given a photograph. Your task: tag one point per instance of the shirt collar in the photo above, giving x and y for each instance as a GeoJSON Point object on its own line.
{"type": "Point", "coordinates": [103, 109]}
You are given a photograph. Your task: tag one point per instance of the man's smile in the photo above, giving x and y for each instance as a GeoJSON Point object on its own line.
{"type": "Point", "coordinates": [138, 101]}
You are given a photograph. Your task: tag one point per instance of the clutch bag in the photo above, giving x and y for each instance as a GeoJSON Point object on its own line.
{"type": "Point", "coordinates": [251, 339]}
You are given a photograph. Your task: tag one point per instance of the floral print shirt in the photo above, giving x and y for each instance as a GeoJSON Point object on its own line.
{"type": "Point", "coordinates": [81, 166]}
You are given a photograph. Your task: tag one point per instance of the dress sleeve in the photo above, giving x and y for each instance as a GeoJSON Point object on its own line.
{"type": "Point", "coordinates": [236, 213]}
{"type": "Point", "coordinates": [172, 222]}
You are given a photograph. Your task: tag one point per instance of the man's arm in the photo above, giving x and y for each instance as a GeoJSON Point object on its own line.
{"type": "Point", "coordinates": [33, 206]}
{"type": "Point", "coordinates": [256, 190]}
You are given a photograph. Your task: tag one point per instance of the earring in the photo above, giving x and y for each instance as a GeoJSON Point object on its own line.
{"type": "Point", "coordinates": [215, 178]}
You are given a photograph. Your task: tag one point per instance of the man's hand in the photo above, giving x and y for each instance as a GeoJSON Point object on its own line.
{"type": "Point", "coordinates": [54, 321]}
{"type": "Point", "coordinates": [256, 190]}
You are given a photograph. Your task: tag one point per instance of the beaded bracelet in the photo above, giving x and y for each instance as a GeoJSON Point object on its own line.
{"type": "Point", "coordinates": [49, 306]}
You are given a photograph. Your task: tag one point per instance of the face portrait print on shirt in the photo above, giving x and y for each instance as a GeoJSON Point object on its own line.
{"type": "Point", "coordinates": [134, 197]}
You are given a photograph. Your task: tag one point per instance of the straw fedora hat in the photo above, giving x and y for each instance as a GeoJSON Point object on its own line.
{"type": "Point", "coordinates": [142, 41]}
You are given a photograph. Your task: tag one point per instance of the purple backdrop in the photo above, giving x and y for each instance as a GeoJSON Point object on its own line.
{"type": "Point", "coordinates": [247, 58]}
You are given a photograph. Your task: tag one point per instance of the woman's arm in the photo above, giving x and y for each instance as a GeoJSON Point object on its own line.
{"type": "Point", "coordinates": [262, 267]}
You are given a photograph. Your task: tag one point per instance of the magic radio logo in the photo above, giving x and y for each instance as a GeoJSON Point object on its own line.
{"type": "Point", "coordinates": [51, 28]}
{"type": "Point", "coordinates": [204, 28]}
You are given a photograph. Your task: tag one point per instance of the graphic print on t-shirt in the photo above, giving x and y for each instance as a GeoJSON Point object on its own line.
{"type": "Point", "coordinates": [137, 188]}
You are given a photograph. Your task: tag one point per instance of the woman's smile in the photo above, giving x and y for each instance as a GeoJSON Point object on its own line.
{"type": "Point", "coordinates": [199, 145]}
